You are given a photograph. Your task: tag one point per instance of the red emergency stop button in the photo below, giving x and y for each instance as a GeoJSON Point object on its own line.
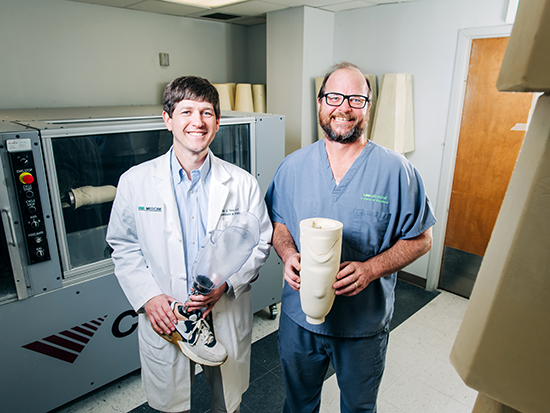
{"type": "Point", "coordinates": [26, 178]}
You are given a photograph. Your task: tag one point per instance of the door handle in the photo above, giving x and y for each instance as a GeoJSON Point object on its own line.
{"type": "Point", "coordinates": [11, 241]}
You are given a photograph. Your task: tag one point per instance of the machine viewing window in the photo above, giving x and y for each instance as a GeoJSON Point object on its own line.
{"type": "Point", "coordinates": [232, 143]}
{"type": "Point", "coordinates": [7, 286]}
{"type": "Point", "coordinates": [88, 168]}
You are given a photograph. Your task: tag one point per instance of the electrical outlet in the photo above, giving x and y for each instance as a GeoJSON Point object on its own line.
{"type": "Point", "coordinates": [164, 59]}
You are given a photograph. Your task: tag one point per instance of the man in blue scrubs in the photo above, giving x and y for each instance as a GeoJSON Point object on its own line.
{"type": "Point", "coordinates": [380, 198]}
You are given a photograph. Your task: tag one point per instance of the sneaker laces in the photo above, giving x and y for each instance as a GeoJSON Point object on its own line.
{"type": "Point", "coordinates": [203, 330]}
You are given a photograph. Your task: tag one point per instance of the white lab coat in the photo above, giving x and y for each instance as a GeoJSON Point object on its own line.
{"type": "Point", "coordinates": [145, 234]}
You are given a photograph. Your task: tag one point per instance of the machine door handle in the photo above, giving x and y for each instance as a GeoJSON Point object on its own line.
{"type": "Point", "coordinates": [11, 241]}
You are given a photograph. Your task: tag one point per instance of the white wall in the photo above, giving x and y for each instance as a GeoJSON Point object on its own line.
{"type": "Point", "coordinates": [284, 71]}
{"type": "Point", "coordinates": [317, 58]}
{"type": "Point", "coordinates": [418, 38]}
{"type": "Point", "coordinates": [257, 59]}
{"type": "Point", "coordinates": [57, 53]}
{"type": "Point", "coordinates": [299, 48]}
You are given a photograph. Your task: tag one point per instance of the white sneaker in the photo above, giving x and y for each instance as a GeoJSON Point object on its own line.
{"type": "Point", "coordinates": [195, 339]}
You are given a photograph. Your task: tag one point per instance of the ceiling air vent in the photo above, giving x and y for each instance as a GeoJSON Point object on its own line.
{"type": "Point", "coordinates": [220, 16]}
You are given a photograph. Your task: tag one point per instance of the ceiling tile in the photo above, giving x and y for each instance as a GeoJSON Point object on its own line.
{"type": "Point", "coordinates": [113, 3]}
{"type": "Point", "coordinates": [165, 8]}
{"type": "Point", "coordinates": [350, 5]}
{"type": "Point", "coordinates": [295, 3]}
{"type": "Point", "coordinates": [248, 11]}
{"type": "Point", "coordinates": [251, 8]}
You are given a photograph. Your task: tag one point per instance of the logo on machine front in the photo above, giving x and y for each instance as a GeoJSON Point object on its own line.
{"type": "Point", "coordinates": [68, 344]}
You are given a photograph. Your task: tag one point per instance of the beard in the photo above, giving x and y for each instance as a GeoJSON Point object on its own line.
{"type": "Point", "coordinates": [351, 136]}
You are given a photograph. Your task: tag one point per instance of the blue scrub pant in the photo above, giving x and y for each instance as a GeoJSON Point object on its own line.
{"type": "Point", "coordinates": [305, 358]}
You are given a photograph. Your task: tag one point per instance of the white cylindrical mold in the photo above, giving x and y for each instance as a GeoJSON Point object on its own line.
{"type": "Point", "coordinates": [321, 248]}
{"type": "Point", "coordinates": [92, 195]}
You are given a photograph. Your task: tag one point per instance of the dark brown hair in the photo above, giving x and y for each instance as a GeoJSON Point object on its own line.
{"type": "Point", "coordinates": [190, 88]}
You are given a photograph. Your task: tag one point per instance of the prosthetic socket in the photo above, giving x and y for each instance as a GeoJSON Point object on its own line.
{"type": "Point", "coordinates": [321, 247]}
{"type": "Point", "coordinates": [91, 195]}
{"type": "Point", "coordinates": [225, 252]}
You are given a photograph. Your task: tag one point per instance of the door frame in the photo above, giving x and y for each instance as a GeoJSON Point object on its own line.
{"type": "Point", "coordinates": [452, 132]}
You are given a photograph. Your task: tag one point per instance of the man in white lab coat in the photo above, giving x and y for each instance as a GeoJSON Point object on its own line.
{"type": "Point", "coordinates": [163, 210]}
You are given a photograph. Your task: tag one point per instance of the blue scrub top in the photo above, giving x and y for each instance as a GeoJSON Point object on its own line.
{"type": "Point", "coordinates": [380, 200]}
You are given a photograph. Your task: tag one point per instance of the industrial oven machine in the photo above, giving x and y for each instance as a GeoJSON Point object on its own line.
{"type": "Point", "coordinates": [66, 326]}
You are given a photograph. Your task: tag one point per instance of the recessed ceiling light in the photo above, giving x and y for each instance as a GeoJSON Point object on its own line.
{"type": "Point", "coordinates": [205, 3]}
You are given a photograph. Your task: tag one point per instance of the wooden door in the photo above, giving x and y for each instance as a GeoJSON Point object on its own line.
{"type": "Point", "coordinates": [487, 152]}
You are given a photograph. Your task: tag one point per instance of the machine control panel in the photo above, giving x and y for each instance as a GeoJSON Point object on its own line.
{"type": "Point", "coordinates": [24, 172]}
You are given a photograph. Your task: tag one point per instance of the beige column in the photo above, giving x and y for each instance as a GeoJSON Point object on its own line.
{"type": "Point", "coordinates": [289, 33]}
{"type": "Point", "coordinates": [484, 404]}
{"type": "Point", "coordinates": [258, 96]}
{"type": "Point", "coordinates": [243, 98]}
{"type": "Point", "coordinates": [318, 84]}
{"type": "Point", "coordinates": [526, 62]}
{"type": "Point", "coordinates": [232, 88]}
{"type": "Point", "coordinates": [501, 349]}
{"type": "Point", "coordinates": [374, 100]}
{"type": "Point", "coordinates": [225, 100]}
{"type": "Point", "coordinates": [393, 125]}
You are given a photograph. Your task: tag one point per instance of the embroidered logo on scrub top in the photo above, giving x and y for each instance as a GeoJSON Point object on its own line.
{"type": "Point", "coordinates": [150, 209]}
{"type": "Point", "coordinates": [375, 198]}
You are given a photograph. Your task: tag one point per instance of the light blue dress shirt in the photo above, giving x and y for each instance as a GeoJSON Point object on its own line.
{"type": "Point", "coordinates": [192, 199]}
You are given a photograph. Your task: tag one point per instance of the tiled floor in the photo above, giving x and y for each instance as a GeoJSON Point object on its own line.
{"type": "Point", "coordinates": [418, 378]}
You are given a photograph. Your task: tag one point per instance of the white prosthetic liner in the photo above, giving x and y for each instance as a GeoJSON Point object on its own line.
{"type": "Point", "coordinates": [92, 195]}
{"type": "Point", "coordinates": [321, 248]}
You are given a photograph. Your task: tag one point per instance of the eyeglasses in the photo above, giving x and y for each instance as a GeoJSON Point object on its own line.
{"type": "Point", "coordinates": [354, 101]}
